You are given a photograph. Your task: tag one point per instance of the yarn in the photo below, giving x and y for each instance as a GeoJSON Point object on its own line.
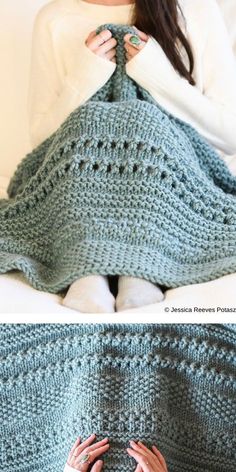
{"type": "Point", "coordinates": [171, 385]}
{"type": "Point", "coordinates": [122, 187]}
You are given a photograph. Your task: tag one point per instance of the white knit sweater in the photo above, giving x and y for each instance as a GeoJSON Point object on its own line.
{"type": "Point", "coordinates": [65, 73]}
{"type": "Point", "coordinates": [69, 469]}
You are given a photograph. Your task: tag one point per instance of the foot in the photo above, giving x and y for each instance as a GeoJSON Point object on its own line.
{"type": "Point", "coordinates": [134, 292]}
{"type": "Point", "coordinates": [90, 294]}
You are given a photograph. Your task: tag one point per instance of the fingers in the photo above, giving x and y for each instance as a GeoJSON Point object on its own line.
{"type": "Point", "coordinates": [129, 43]}
{"type": "Point", "coordinates": [75, 445]}
{"type": "Point", "coordinates": [160, 457]}
{"type": "Point", "coordinates": [99, 39]}
{"type": "Point", "coordinates": [147, 460]}
{"type": "Point", "coordinates": [132, 49]}
{"type": "Point", "coordinates": [110, 55]}
{"type": "Point", "coordinates": [151, 458]}
{"type": "Point", "coordinates": [86, 453]}
{"type": "Point", "coordinates": [155, 452]}
{"type": "Point", "coordinates": [143, 36]}
{"type": "Point", "coordinates": [102, 44]}
{"type": "Point", "coordinates": [138, 468]}
{"type": "Point", "coordinates": [94, 450]}
{"type": "Point", "coordinates": [104, 48]}
{"type": "Point", "coordinates": [84, 444]}
{"type": "Point", "coordinates": [97, 445]}
{"type": "Point", "coordinates": [97, 452]}
{"type": "Point", "coordinates": [145, 449]}
{"type": "Point", "coordinates": [90, 37]}
{"type": "Point", "coordinates": [140, 459]}
{"type": "Point", "coordinates": [97, 467]}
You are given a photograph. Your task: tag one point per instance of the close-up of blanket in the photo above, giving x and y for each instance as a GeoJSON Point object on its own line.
{"type": "Point", "coordinates": [122, 187]}
{"type": "Point", "coordinates": [169, 385]}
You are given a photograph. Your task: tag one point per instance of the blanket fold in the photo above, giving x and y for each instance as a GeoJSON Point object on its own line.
{"type": "Point", "coordinates": [122, 187]}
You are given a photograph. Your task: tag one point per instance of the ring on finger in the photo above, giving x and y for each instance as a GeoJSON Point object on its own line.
{"type": "Point", "coordinates": [135, 40]}
{"type": "Point", "coordinates": [84, 459]}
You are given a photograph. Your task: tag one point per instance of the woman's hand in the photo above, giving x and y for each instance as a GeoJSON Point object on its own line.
{"type": "Point", "coordinates": [133, 43]}
{"type": "Point", "coordinates": [83, 454]}
{"type": "Point", "coordinates": [147, 460]}
{"type": "Point", "coordinates": [102, 44]}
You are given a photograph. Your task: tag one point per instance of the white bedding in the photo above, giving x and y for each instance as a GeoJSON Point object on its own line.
{"type": "Point", "coordinates": [16, 295]}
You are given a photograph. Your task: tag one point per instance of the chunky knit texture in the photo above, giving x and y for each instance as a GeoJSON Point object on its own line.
{"type": "Point", "coordinates": [172, 385]}
{"type": "Point", "coordinates": [122, 187]}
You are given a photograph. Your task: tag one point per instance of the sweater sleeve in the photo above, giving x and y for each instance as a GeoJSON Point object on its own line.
{"type": "Point", "coordinates": [213, 112]}
{"type": "Point", "coordinates": [51, 99]}
{"type": "Point", "coordinates": [68, 468]}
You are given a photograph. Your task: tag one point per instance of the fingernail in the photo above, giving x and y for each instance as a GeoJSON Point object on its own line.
{"type": "Point", "coordinates": [132, 442]}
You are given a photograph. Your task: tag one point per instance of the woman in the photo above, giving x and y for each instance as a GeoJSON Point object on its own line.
{"type": "Point", "coordinates": [86, 454]}
{"type": "Point", "coordinates": [186, 65]}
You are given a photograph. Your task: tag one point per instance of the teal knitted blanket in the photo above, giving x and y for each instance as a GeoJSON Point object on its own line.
{"type": "Point", "coordinates": [172, 385]}
{"type": "Point", "coordinates": [122, 187]}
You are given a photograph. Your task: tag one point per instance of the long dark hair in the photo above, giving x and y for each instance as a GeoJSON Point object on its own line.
{"type": "Point", "coordinates": [159, 18]}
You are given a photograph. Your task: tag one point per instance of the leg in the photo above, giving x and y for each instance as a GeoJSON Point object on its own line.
{"type": "Point", "coordinates": [90, 294]}
{"type": "Point", "coordinates": [135, 292]}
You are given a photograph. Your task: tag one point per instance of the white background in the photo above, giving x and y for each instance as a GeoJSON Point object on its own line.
{"type": "Point", "coordinates": [16, 23]}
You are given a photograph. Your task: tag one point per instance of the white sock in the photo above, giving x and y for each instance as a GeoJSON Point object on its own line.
{"type": "Point", "coordinates": [90, 294]}
{"type": "Point", "coordinates": [134, 292]}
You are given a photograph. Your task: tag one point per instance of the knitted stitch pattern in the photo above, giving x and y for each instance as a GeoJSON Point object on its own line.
{"type": "Point", "coordinates": [122, 187]}
{"type": "Point", "coordinates": [172, 385]}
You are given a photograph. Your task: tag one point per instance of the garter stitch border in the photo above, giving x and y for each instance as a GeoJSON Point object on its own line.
{"type": "Point", "coordinates": [122, 187]}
